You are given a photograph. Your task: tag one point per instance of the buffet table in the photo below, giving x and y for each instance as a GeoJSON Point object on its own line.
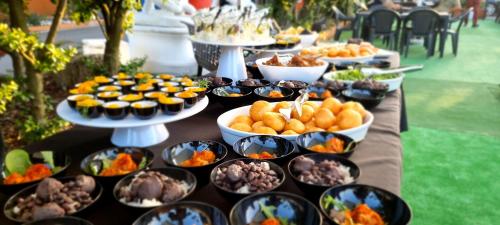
{"type": "Point", "coordinates": [379, 156]}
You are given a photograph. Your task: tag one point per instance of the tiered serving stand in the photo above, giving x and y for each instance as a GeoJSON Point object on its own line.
{"type": "Point", "coordinates": [131, 131]}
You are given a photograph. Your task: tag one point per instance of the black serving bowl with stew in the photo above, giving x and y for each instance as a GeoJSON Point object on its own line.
{"type": "Point", "coordinates": [306, 140]}
{"type": "Point", "coordinates": [72, 99]}
{"type": "Point", "coordinates": [295, 85]}
{"type": "Point", "coordinates": [61, 163]}
{"type": "Point", "coordinates": [65, 220]}
{"type": "Point", "coordinates": [317, 93]}
{"type": "Point", "coordinates": [177, 154]}
{"type": "Point", "coordinates": [232, 96]}
{"type": "Point", "coordinates": [253, 83]}
{"type": "Point", "coordinates": [368, 98]}
{"type": "Point", "coordinates": [217, 81]}
{"type": "Point", "coordinates": [263, 93]}
{"type": "Point", "coordinates": [108, 96]}
{"type": "Point", "coordinates": [392, 209]}
{"type": "Point", "coordinates": [126, 85]}
{"type": "Point", "coordinates": [8, 209]}
{"type": "Point", "coordinates": [90, 111]}
{"type": "Point", "coordinates": [190, 98]}
{"type": "Point", "coordinates": [144, 109]}
{"type": "Point", "coordinates": [116, 110]}
{"type": "Point", "coordinates": [313, 190]}
{"type": "Point", "coordinates": [286, 206]}
{"type": "Point", "coordinates": [279, 148]}
{"type": "Point", "coordinates": [171, 106]}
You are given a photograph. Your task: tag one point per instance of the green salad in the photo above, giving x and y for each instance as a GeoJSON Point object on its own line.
{"type": "Point", "coordinates": [355, 75]}
{"type": "Point", "coordinates": [385, 76]}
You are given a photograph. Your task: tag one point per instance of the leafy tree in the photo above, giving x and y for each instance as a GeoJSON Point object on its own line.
{"type": "Point", "coordinates": [116, 17]}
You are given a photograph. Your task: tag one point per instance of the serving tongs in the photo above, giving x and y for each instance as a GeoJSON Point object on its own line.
{"type": "Point", "coordinates": [377, 71]}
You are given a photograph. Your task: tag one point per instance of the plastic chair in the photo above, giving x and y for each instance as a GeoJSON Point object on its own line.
{"type": "Point", "coordinates": [381, 22]}
{"type": "Point", "coordinates": [420, 22]}
{"type": "Point", "coordinates": [341, 17]}
{"type": "Point", "coordinates": [455, 33]}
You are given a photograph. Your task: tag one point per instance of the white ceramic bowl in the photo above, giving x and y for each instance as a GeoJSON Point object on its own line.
{"type": "Point", "coordinates": [230, 135]}
{"type": "Point", "coordinates": [276, 73]}
{"type": "Point", "coordinates": [307, 40]}
{"type": "Point", "coordinates": [394, 84]}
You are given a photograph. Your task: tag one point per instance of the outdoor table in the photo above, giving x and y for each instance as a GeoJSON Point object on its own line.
{"type": "Point", "coordinates": [443, 34]}
{"type": "Point", "coordinates": [379, 156]}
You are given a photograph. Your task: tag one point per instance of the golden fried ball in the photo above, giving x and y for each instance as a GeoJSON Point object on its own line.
{"type": "Point", "coordinates": [310, 124]}
{"type": "Point", "coordinates": [332, 104]}
{"type": "Point", "coordinates": [324, 118]}
{"type": "Point", "coordinates": [295, 125]}
{"type": "Point", "coordinates": [313, 129]}
{"type": "Point", "coordinates": [312, 104]}
{"type": "Point", "coordinates": [307, 113]}
{"type": "Point", "coordinates": [243, 119]}
{"type": "Point", "coordinates": [334, 128]}
{"type": "Point", "coordinates": [265, 130]}
{"type": "Point", "coordinates": [258, 124]}
{"type": "Point", "coordinates": [258, 109]}
{"type": "Point", "coordinates": [274, 120]}
{"type": "Point", "coordinates": [289, 132]}
{"type": "Point", "coordinates": [281, 105]}
{"type": "Point", "coordinates": [349, 118]}
{"type": "Point", "coordinates": [241, 127]}
{"type": "Point", "coordinates": [356, 106]}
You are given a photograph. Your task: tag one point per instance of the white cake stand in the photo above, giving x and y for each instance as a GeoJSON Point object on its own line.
{"type": "Point", "coordinates": [231, 61]}
{"type": "Point", "coordinates": [130, 131]}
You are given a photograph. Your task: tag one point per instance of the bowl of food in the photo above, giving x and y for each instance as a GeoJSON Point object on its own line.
{"type": "Point", "coordinates": [171, 105]}
{"type": "Point", "coordinates": [111, 164]}
{"type": "Point", "coordinates": [154, 95]}
{"type": "Point", "coordinates": [126, 85]}
{"type": "Point", "coordinates": [317, 93]}
{"type": "Point", "coordinates": [21, 169]}
{"type": "Point", "coordinates": [295, 85]}
{"type": "Point", "coordinates": [122, 76]}
{"type": "Point", "coordinates": [368, 98]}
{"type": "Point", "coordinates": [53, 198]}
{"type": "Point", "coordinates": [169, 84]}
{"type": "Point", "coordinates": [335, 87]}
{"type": "Point", "coordinates": [90, 108]}
{"type": "Point", "coordinates": [109, 88]}
{"type": "Point", "coordinates": [73, 99]}
{"type": "Point", "coordinates": [66, 220]}
{"type": "Point", "coordinates": [142, 88]}
{"type": "Point", "coordinates": [252, 83]}
{"type": "Point", "coordinates": [171, 91]}
{"type": "Point", "coordinates": [165, 76]}
{"type": "Point", "coordinates": [199, 157]}
{"type": "Point", "coordinates": [232, 96]}
{"type": "Point", "coordinates": [131, 98]}
{"type": "Point", "coordinates": [326, 142]}
{"type": "Point", "coordinates": [201, 91]}
{"type": "Point", "coordinates": [103, 80]}
{"type": "Point", "coordinates": [348, 118]}
{"type": "Point", "coordinates": [154, 187]}
{"type": "Point", "coordinates": [190, 98]}
{"type": "Point", "coordinates": [116, 110]}
{"type": "Point", "coordinates": [314, 173]}
{"type": "Point", "coordinates": [338, 53]}
{"type": "Point", "coordinates": [272, 208]}
{"type": "Point", "coordinates": [108, 96]}
{"type": "Point", "coordinates": [237, 178]}
{"type": "Point", "coordinates": [274, 93]}
{"type": "Point", "coordinates": [393, 81]}
{"type": "Point", "coordinates": [265, 147]}
{"type": "Point", "coordinates": [349, 204]}
{"type": "Point", "coordinates": [86, 87]}
{"type": "Point", "coordinates": [306, 69]}
{"type": "Point", "coordinates": [142, 76]}
{"type": "Point", "coordinates": [215, 81]}
{"type": "Point", "coordinates": [144, 110]}
{"type": "Point", "coordinates": [184, 213]}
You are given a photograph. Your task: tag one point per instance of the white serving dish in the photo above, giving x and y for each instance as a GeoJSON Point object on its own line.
{"type": "Point", "coordinates": [307, 40]}
{"type": "Point", "coordinates": [277, 73]}
{"type": "Point", "coordinates": [230, 135]}
{"type": "Point", "coordinates": [394, 84]}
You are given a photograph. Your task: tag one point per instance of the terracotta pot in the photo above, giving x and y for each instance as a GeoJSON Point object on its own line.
{"type": "Point", "coordinates": [201, 4]}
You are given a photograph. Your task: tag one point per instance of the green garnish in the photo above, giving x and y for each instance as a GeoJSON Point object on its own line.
{"type": "Point", "coordinates": [349, 75]}
{"type": "Point", "coordinates": [203, 83]}
{"type": "Point", "coordinates": [329, 200]}
{"type": "Point", "coordinates": [143, 162]}
{"type": "Point", "coordinates": [17, 160]}
{"type": "Point", "coordinates": [48, 157]}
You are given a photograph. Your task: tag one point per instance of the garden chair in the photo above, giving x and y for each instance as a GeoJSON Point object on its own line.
{"type": "Point", "coordinates": [454, 33]}
{"type": "Point", "coordinates": [386, 23]}
{"type": "Point", "coordinates": [343, 23]}
{"type": "Point", "coordinates": [420, 22]}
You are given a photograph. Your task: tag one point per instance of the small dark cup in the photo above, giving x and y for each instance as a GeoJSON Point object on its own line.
{"type": "Point", "coordinates": [263, 93]}
{"type": "Point", "coordinates": [223, 95]}
{"type": "Point", "coordinates": [144, 110]}
{"type": "Point", "coordinates": [171, 91]}
{"type": "Point", "coordinates": [201, 91]}
{"type": "Point", "coordinates": [126, 85]}
{"type": "Point", "coordinates": [131, 98]}
{"type": "Point", "coordinates": [369, 99]}
{"type": "Point", "coordinates": [281, 148]}
{"type": "Point", "coordinates": [154, 95]}
{"type": "Point", "coordinates": [91, 112]}
{"type": "Point", "coordinates": [122, 76]}
{"type": "Point", "coordinates": [172, 108]}
{"type": "Point", "coordinates": [176, 154]}
{"type": "Point", "coordinates": [189, 101]}
{"type": "Point", "coordinates": [104, 83]}
{"type": "Point", "coordinates": [66, 220]}
{"type": "Point", "coordinates": [136, 89]}
{"type": "Point", "coordinates": [72, 99]}
{"type": "Point", "coordinates": [165, 77]}
{"type": "Point", "coordinates": [108, 96]}
{"type": "Point", "coordinates": [256, 84]}
{"type": "Point", "coordinates": [307, 140]}
{"type": "Point", "coordinates": [297, 86]}
{"type": "Point", "coordinates": [109, 88]}
{"type": "Point", "coordinates": [116, 110]}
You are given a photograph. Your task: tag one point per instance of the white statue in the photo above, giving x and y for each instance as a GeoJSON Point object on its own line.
{"type": "Point", "coordinates": [169, 14]}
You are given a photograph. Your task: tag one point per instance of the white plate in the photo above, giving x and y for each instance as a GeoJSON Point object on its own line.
{"type": "Point", "coordinates": [230, 135]}
{"type": "Point", "coordinates": [394, 84]}
{"type": "Point", "coordinates": [277, 73]}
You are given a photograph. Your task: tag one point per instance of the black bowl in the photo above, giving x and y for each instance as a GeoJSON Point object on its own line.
{"type": "Point", "coordinates": [319, 91]}
{"type": "Point", "coordinates": [121, 77]}
{"type": "Point", "coordinates": [188, 101]}
{"type": "Point", "coordinates": [109, 88]}
{"type": "Point", "coordinates": [253, 70]}
{"type": "Point", "coordinates": [178, 153]}
{"type": "Point", "coordinates": [66, 220]}
{"type": "Point", "coordinates": [261, 83]}
{"type": "Point", "coordinates": [165, 77]}
{"type": "Point", "coordinates": [172, 108]}
{"type": "Point", "coordinates": [221, 96]}
{"type": "Point", "coordinates": [10, 204]}
{"type": "Point", "coordinates": [72, 99]}
{"type": "Point", "coordinates": [173, 172]}
{"type": "Point", "coordinates": [369, 99]}
{"type": "Point", "coordinates": [314, 190]}
{"type": "Point", "coordinates": [126, 85]}
{"type": "Point", "coordinates": [108, 96]}
{"type": "Point", "coordinates": [153, 95]}
{"type": "Point", "coordinates": [116, 113]}
{"type": "Point", "coordinates": [92, 164]}
{"type": "Point", "coordinates": [135, 90]}
{"type": "Point", "coordinates": [274, 145]}
{"type": "Point", "coordinates": [297, 86]}
{"type": "Point", "coordinates": [139, 98]}
{"type": "Point", "coordinates": [306, 140]}
{"type": "Point", "coordinates": [171, 93]}
{"type": "Point", "coordinates": [61, 160]}
{"type": "Point", "coordinates": [184, 212]}
{"type": "Point", "coordinates": [288, 206]}
{"type": "Point", "coordinates": [198, 90]}
{"type": "Point", "coordinates": [233, 195]}
{"type": "Point", "coordinates": [212, 85]}
{"type": "Point", "coordinates": [263, 93]}
{"type": "Point", "coordinates": [147, 111]}
{"type": "Point", "coordinates": [394, 210]}
{"type": "Point", "coordinates": [92, 111]}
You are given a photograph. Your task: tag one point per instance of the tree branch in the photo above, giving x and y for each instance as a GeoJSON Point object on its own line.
{"type": "Point", "coordinates": [59, 14]}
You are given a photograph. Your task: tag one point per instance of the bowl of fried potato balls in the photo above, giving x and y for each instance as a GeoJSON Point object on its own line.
{"type": "Point", "coordinates": [265, 118]}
